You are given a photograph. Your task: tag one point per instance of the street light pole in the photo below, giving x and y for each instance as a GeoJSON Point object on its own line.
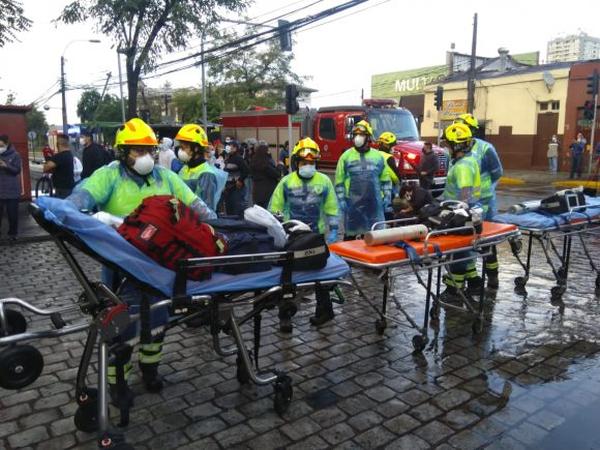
{"type": "Point", "coordinates": [119, 51]}
{"type": "Point", "coordinates": [204, 113]}
{"type": "Point", "coordinates": [63, 89]}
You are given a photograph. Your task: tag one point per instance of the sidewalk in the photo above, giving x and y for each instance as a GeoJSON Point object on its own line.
{"type": "Point", "coordinates": [29, 230]}
{"type": "Point", "coordinates": [537, 177]}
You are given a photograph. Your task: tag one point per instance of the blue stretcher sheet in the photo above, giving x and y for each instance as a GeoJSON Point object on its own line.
{"type": "Point", "coordinates": [110, 245]}
{"type": "Point", "coordinates": [544, 221]}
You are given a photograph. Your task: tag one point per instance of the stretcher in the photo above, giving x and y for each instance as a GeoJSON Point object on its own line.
{"type": "Point", "coordinates": [440, 249]}
{"type": "Point", "coordinates": [555, 234]}
{"type": "Point", "coordinates": [106, 315]}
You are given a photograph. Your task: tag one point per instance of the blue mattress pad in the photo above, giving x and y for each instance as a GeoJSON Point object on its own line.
{"type": "Point", "coordinates": [108, 244]}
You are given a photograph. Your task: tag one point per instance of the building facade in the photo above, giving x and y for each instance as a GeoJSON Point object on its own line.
{"type": "Point", "coordinates": [14, 125]}
{"type": "Point", "coordinates": [576, 47]}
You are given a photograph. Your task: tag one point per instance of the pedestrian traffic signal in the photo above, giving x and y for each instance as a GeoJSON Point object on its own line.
{"type": "Point", "coordinates": [588, 110]}
{"type": "Point", "coordinates": [593, 83]}
{"type": "Point", "coordinates": [439, 98]}
{"type": "Point", "coordinates": [285, 35]}
{"type": "Point", "coordinates": [291, 102]}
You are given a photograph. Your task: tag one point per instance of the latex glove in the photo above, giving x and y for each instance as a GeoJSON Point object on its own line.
{"type": "Point", "coordinates": [295, 225]}
{"type": "Point", "coordinates": [332, 236]}
{"type": "Point", "coordinates": [108, 219]}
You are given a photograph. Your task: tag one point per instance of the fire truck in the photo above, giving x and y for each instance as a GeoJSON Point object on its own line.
{"type": "Point", "coordinates": [331, 128]}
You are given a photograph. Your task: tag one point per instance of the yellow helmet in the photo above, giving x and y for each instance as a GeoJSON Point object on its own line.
{"type": "Point", "coordinates": [135, 132]}
{"type": "Point", "coordinates": [192, 133]}
{"type": "Point", "coordinates": [458, 133]}
{"type": "Point", "coordinates": [307, 149]}
{"type": "Point", "coordinates": [387, 137]}
{"type": "Point", "coordinates": [468, 119]}
{"type": "Point", "coordinates": [362, 127]}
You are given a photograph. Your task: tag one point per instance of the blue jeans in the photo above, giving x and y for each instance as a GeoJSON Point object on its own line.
{"type": "Point", "coordinates": [553, 163]}
{"type": "Point", "coordinates": [576, 165]}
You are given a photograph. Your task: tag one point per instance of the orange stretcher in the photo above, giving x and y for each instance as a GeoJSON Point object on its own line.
{"type": "Point", "coordinates": [440, 248]}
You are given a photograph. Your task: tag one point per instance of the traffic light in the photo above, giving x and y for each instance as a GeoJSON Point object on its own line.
{"type": "Point", "coordinates": [593, 83]}
{"type": "Point", "coordinates": [285, 35]}
{"type": "Point", "coordinates": [291, 102]}
{"type": "Point", "coordinates": [439, 98]}
{"type": "Point", "coordinates": [588, 110]}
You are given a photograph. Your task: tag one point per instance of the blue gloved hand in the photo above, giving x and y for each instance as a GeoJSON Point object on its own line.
{"type": "Point", "coordinates": [332, 236]}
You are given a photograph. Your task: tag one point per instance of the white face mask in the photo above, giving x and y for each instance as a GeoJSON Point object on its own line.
{"type": "Point", "coordinates": [359, 140]}
{"type": "Point", "coordinates": [82, 141]}
{"type": "Point", "coordinates": [307, 171]}
{"type": "Point", "coordinates": [227, 149]}
{"type": "Point", "coordinates": [3, 149]}
{"type": "Point", "coordinates": [144, 165]}
{"type": "Point", "coordinates": [183, 156]}
{"type": "Point", "coordinates": [211, 154]}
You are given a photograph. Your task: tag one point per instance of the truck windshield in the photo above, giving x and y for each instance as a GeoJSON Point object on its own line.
{"type": "Point", "coordinates": [399, 122]}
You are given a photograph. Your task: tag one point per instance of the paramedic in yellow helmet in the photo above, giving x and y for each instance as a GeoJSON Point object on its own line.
{"type": "Point", "coordinates": [362, 183]}
{"type": "Point", "coordinates": [197, 172]}
{"type": "Point", "coordinates": [491, 170]}
{"type": "Point", "coordinates": [385, 145]}
{"type": "Point", "coordinates": [463, 183]}
{"type": "Point", "coordinates": [308, 195]}
{"type": "Point", "coordinates": [118, 189]}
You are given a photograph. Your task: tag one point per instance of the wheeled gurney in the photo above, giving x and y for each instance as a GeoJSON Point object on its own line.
{"type": "Point", "coordinates": [217, 299]}
{"type": "Point", "coordinates": [555, 235]}
{"type": "Point", "coordinates": [439, 249]}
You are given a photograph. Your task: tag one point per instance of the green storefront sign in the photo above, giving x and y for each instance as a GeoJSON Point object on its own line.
{"type": "Point", "coordinates": [408, 82]}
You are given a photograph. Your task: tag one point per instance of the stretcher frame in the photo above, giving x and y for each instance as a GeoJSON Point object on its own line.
{"type": "Point", "coordinates": [558, 260]}
{"type": "Point", "coordinates": [431, 262]}
{"type": "Point", "coordinates": [97, 298]}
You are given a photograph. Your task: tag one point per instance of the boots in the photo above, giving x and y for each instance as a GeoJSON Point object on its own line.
{"type": "Point", "coordinates": [450, 295]}
{"type": "Point", "coordinates": [324, 310]}
{"type": "Point", "coordinates": [152, 380]}
{"type": "Point", "coordinates": [474, 286]}
{"type": "Point", "coordinates": [121, 397]}
{"type": "Point", "coordinates": [492, 279]}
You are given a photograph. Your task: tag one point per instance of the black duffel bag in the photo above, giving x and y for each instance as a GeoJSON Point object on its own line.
{"type": "Point", "coordinates": [244, 238]}
{"type": "Point", "coordinates": [563, 201]}
{"type": "Point", "coordinates": [310, 250]}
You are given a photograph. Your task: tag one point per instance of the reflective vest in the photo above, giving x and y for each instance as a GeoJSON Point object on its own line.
{"type": "Point", "coordinates": [463, 174]}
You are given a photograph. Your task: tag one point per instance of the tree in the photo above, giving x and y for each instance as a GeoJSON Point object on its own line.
{"type": "Point", "coordinates": [12, 21]}
{"type": "Point", "coordinates": [36, 121]}
{"type": "Point", "coordinates": [92, 108]}
{"type": "Point", "coordinates": [145, 29]}
{"type": "Point", "coordinates": [188, 103]}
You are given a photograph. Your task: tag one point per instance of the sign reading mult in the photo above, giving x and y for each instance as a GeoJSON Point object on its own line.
{"type": "Point", "coordinates": [291, 99]}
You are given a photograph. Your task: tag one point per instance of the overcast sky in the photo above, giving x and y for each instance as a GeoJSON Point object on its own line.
{"type": "Point", "coordinates": [376, 37]}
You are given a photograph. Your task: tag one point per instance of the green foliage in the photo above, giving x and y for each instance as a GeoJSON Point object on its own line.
{"type": "Point", "coordinates": [36, 121]}
{"type": "Point", "coordinates": [147, 29]}
{"type": "Point", "coordinates": [91, 108]}
{"type": "Point", "coordinates": [12, 21]}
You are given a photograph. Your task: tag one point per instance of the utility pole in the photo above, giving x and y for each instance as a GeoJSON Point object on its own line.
{"type": "Point", "coordinates": [471, 82]}
{"type": "Point", "coordinates": [62, 94]}
{"type": "Point", "coordinates": [119, 51]}
{"type": "Point", "coordinates": [204, 113]}
{"type": "Point", "coordinates": [593, 134]}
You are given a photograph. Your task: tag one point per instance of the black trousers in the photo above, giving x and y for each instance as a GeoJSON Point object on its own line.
{"type": "Point", "coordinates": [12, 210]}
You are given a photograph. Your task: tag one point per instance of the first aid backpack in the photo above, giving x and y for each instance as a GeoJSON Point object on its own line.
{"type": "Point", "coordinates": [167, 230]}
{"type": "Point", "coordinates": [452, 215]}
{"type": "Point", "coordinates": [563, 201]}
{"type": "Point", "coordinates": [310, 250]}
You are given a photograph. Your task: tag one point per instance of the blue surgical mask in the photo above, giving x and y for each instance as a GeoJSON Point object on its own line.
{"type": "Point", "coordinates": [307, 171]}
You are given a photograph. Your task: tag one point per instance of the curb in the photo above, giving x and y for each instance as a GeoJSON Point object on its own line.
{"type": "Point", "coordinates": [25, 240]}
{"type": "Point", "coordinates": [507, 181]}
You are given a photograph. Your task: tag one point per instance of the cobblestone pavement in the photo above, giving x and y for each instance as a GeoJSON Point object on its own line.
{"type": "Point", "coordinates": [352, 387]}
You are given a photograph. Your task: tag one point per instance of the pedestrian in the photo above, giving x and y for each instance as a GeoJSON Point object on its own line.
{"type": "Point", "coordinates": [93, 155]}
{"type": "Point", "coordinates": [309, 196]}
{"type": "Point", "coordinates": [428, 166]}
{"type": "Point", "coordinates": [62, 166]}
{"type": "Point", "coordinates": [362, 183]}
{"type": "Point", "coordinates": [576, 148]}
{"type": "Point", "coordinates": [463, 183]}
{"type": "Point", "coordinates": [119, 188]}
{"type": "Point", "coordinates": [490, 170]}
{"type": "Point", "coordinates": [553, 154]}
{"type": "Point", "coordinates": [47, 152]}
{"type": "Point", "coordinates": [237, 173]}
{"type": "Point", "coordinates": [219, 159]}
{"type": "Point", "coordinates": [197, 173]}
{"type": "Point", "coordinates": [264, 174]}
{"type": "Point", "coordinates": [10, 185]}
{"type": "Point", "coordinates": [283, 161]}
{"type": "Point", "coordinates": [166, 155]}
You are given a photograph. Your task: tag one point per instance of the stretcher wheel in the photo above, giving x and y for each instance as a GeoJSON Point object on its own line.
{"type": "Point", "coordinates": [241, 372]}
{"type": "Point", "coordinates": [419, 342]}
{"type": "Point", "coordinates": [520, 282]}
{"type": "Point", "coordinates": [15, 322]}
{"type": "Point", "coordinates": [20, 366]}
{"type": "Point", "coordinates": [477, 326]}
{"type": "Point", "coordinates": [86, 417]}
{"type": "Point", "coordinates": [380, 326]}
{"type": "Point", "coordinates": [283, 394]}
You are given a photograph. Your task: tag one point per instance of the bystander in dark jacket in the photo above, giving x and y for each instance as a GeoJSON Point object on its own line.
{"type": "Point", "coordinates": [265, 176]}
{"type": "Point", "coordinates": [428, 166]}
{"type": "Point", "coordinates": [10, 185]}
{"type": "Point", "coordinates": [93, 155]}
{"type": "Point", "coordinates": [61, 167]}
